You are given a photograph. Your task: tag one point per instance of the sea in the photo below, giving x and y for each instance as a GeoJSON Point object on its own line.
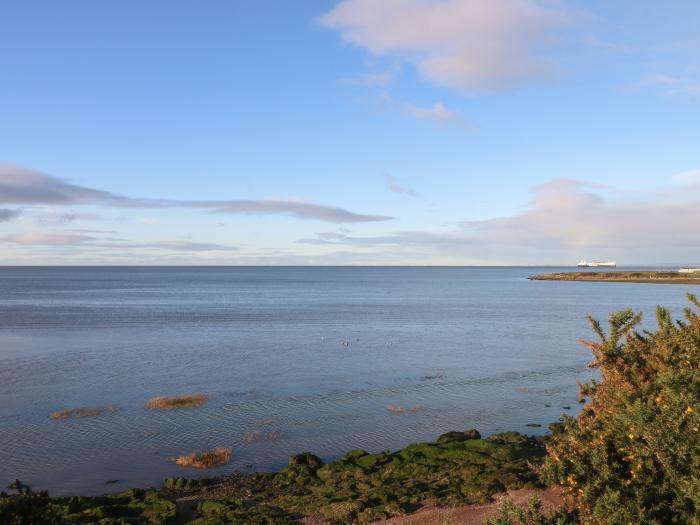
{"type": "Point", "coordinates": [319, 359]}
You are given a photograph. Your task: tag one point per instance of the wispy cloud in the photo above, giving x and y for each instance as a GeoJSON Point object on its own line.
{"type": "Point", "coordinates": [22, 186]}
{"type": "Point", "coordinates": [38, 238]}
{"type": "Point", "coordinates": [149, 221]}
{"type": "Point", "coordinates": [395, 187]}
{"type": "Point", "coordinates": [463, 44]}
{"type": "Point", "coordinates": [567, 220]}
{"type": "Point", "coordinates": [183, 246]}
{"type": "Point", "coordinates": [92, 239]}
{"type": "Point", "coordinates": [437, 113]}
{"type": "Point", "coordinates": [688, 179]}
{"type": "Point", "coordinates": [8, 215]}
{"type": "Point", "coordinates": [381, 78]}
{"type": "Point", "coordinates": [670, 84]}
{"type": "Point", "coordinates": [61, 219]}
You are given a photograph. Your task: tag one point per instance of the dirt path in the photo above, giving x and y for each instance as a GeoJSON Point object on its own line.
{"type": "Point", "coordinates": [476, 514]}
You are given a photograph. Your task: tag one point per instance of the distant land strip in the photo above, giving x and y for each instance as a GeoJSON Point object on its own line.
{"type": "Point", "coordinates": [622, 277]}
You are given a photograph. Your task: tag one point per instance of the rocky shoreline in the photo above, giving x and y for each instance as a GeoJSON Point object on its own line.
{"type": "Point", "coordinates": [458, 469]}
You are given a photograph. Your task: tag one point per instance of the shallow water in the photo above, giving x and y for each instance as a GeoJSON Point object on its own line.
{"type": "Point", "coordinates": [304, 358]}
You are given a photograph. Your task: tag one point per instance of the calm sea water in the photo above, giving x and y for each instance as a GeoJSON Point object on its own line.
{"type": "Point", "coordinates": [297, 359]}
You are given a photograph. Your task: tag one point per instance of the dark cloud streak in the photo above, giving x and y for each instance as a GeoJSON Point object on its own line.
{"type": "Point", "coordinates": [21, 186]}
{"type": "Point", "coordinates": [8, 215]}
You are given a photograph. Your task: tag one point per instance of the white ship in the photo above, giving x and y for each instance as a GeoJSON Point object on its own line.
{"type": "Point", "coordinates": [596, 264]}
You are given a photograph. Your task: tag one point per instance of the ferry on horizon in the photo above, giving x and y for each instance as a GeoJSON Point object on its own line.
{"type": "Point", "coordinates": [595, 264]}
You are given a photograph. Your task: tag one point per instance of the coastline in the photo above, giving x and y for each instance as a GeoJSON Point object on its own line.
{"type": "Point", "coordinates": [619, 277]}
{"type": "Point", "coordinates": [460, 474]}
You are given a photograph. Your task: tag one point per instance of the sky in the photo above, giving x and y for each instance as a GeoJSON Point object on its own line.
{"type": "Point", "coordinates": [353, 132]}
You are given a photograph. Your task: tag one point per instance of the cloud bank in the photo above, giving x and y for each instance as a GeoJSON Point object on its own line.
{"type": "Point", "coordinates": [565, 221]}
{"type": "Point", "coordinates": [22, 186]}
{"type": "Point", "coordinates": [462, 44]}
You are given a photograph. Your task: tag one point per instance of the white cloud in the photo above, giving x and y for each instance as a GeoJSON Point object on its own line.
{"type": "Point", "coordinates": [149, 221]}
{"type": "Point", "coordinates": [437, 113]}
{"type": "Point", "coordinates": [565, 221]}
{"type": "Point", "coordinates": [92, 240]}
{"type": "Point", "coordinates": [463, 44]}
{"type": "Point", "coordinates": [372, 79]}
{"type": "Point", "coordinates": [688, 178]}
{"type": "Point", "coordinates": [671, 85]}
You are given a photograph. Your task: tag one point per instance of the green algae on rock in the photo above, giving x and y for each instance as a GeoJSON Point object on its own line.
{"type": "Point", "coordinates": [133, 506]}
{"type": "Point", "coordinates": [459, 468]}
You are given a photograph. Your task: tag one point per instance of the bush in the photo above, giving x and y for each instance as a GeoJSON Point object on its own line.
{"type": "Point", "coordinates": [633, 453]}
{"type": "Point", "coordinates": [27, 507]}
{"type": "Point", "coordinates": [509, 514]}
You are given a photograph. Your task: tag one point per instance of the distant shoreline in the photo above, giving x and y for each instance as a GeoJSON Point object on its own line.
{"type": "Point", "coordinates": [620, 277]}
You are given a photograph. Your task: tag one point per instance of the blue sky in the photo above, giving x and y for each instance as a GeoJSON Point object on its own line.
{"type": "Point", "coordinates": [353, 132]}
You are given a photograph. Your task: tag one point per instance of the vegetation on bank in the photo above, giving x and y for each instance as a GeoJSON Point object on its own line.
{"type": "Point", "coordinates": [171, 402]}
{"type": "Point", "coordinates": [622, 277]}
{"type": "Point", "coordinates": [633, 453]}
{"type": "Point", "coordinates": [631, 456]}
{"type": "Point", "coordinates": [459, 468]}
{"type": "Point", "coordinates": [205, 460]}
{"type": "Point", "coordinates": [84, 412]}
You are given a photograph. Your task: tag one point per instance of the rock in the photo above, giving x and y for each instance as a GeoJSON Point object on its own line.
{"type": "Point", "coordinates": [459, 436]}
{"type": "Point", "coordinates": [306, 459]}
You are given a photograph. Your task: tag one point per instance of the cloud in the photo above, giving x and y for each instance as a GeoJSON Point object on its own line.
{"type": "Point", "coordinates": [184, 246]}
{"type": "Point", "coordinates": [60, 219]}
{"type": "Point", "coordinates": [47, 239]}
{"type": "Point", "coordinates": [670, 85]}
{"type": "Point", "coordinates": [567, 220]}
{"type": "Point", "coordinates": [688, 178]}
{"type": "Point", "coordinates": [301, 210]}
{"type": "Point", "coordinates": [437, 113]}
{"type": "Point", "coordinates": [381, 78]}
{"type": "Point", "coordinates": [463, 44]}
{"type": "Point", "coordinates": [22, 186]}
{"type": "Point", "coordinates": [70, 238]}
{"type": "Point", "coordinates": [395, 187]}
{"type": "Point", "coordinates": [150, 221]}
{"type": "Point", "coordinates": [8, 215]}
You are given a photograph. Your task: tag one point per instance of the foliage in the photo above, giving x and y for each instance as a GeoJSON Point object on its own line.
{"type": "Point", "coordinates": [26, 506]}
{"type": "Point", "coordinates": [633, 453]}
{"type": "Point", "coordinates": [509, 514]}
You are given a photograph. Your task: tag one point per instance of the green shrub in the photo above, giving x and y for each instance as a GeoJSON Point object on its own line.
{"type": "Point", "coordinates": [27, 507]}
{"type": "Point", "coordinates": [633, 453]}
{"type": "Point", "coordinates": [509, 514]}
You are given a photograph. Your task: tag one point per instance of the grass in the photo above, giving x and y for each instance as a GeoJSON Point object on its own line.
{"type": "Point", "coordinates": [171, 402]}
{"type": "Point", "coordinates": [83, 412]}
{"type": "Point", "coordinates": [203, 460]}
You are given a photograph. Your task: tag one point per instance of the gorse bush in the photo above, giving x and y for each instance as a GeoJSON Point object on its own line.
{"type": "Point", "coordinates": [27, 507]}
{"type": "Point", "coordinates": [632, 456]}
{"type": "Point", "coordinates": [509, 514]}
